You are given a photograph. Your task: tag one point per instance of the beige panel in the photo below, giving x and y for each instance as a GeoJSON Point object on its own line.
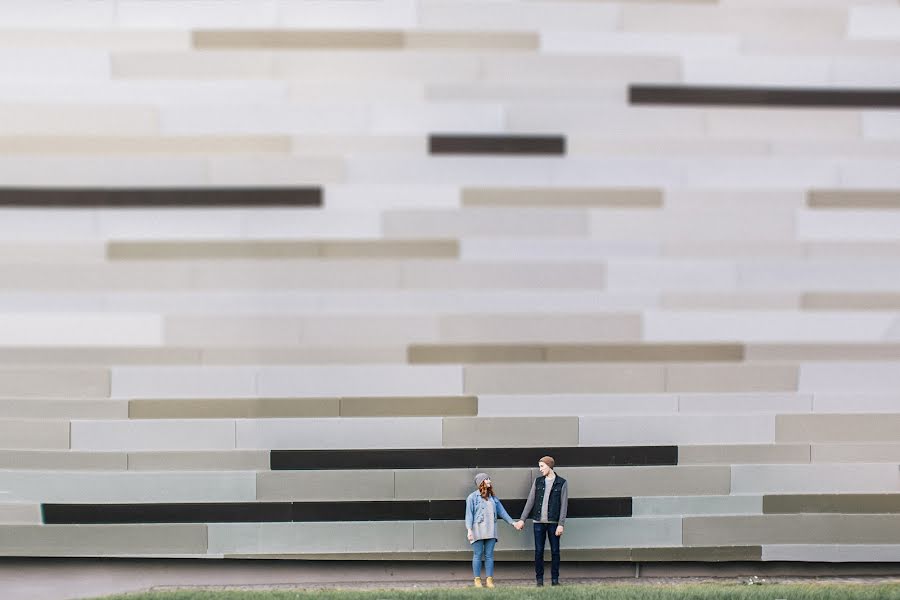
{"type": "Point", "coordinates": [753, 454]}
{"type": "Point", "coordinates": [860, 453]}
{"type": "Point", "coordinates": [286, 250]}
{"type": "Point", "coordinates": [447, 484]}
{"type": "Point", "coordinates": [564, 197]}
{"type": "Point", "coordinates": [296, 39]}
{"type": "Point", "coordinates": [325, 485]}
{"type": "Point", "coordinates": [466, 354]}
{"type": "Point", "coordinates": [99, 356]}
{"type": "Point", "coordinates": [62, 460]}
{"type": "Point", "coordinates": [102, 540]}
{"type": "Point", "coordinates": [792, 529]}
{"type": "Point", "coordinates": [464, 40]}
{"type": "Point", "coordinates": [854, 199]}
{"type": "Point", "coordinates": [234, 331]}
{"type": "Point", "coordinates": [390, 249]}
{"type": "Point", "coordinates": [832, 503]}
{"type": "Point", "coordinates": [649, 352]}
{"type": "Point", "coordinates": [77, 120]}
{"type": "Point", "coordinates": [117, 145]}
{"type": "Point", "coordinates": [231, 460]}
{"type": "Point", "coordinates": [54, 383]}
{"type": "Point", "coordinates": [19, 513]}
{"type": "Point", "coordinates": [838, 428]}
{"type": "Point", "coordinates": [409, 406]}
{"type": "Point", "coordinates": [601, 482]}
{"type": "Point", "coordinates": [818, 351]}
{"type": "Point", "coordinates": [850, 301]}
{"type": "Point", "coordinates": [34, 434]}
{"type": "Point", "coordinates": [727, 378]}
{"type": "Point", "coordinates": [304, 355]}
{"type": "Point", "coordinates": [729, 301]}
{"type": "Point", "coordinates": [234, 408]}
{"type": "Point", "coordinates": [191, 250]}
{"type": "Point", "coordinates": [509, 431]}
{"type": "Point", "coordinates": [559, 379]}
{"type": "Point", "coordinates": [63, 409]}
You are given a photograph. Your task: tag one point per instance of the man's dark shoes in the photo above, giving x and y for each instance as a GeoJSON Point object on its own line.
{"type": "Point", "coordinates": [540, 583]}
{"type": "Point", "coordinates": [554, 582]}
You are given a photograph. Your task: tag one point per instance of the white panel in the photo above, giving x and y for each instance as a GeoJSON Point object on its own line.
{"type": "Point", "coordinates": [163, 224]}
{"type": "Point", "coordinates": [177, 93]}
{"type": "Point", "coordinates": [300, 538]}
{"type": "Point", "coordinates": [530, 249]}
{"type": "Point", "coordinates": [835, 377]}
{"type": "Point", "coordinates": [418, 118]}
{"type": "Point", "coordinates": [149, 14]}
{"type": "Point", "coordinates": [580, 42]}
{"type": "Point", "coordinates": [505, 16]}
{"type": "Point", "coordinates": [76, 120]}
{"type": "Point", "coordinates": [811, 479]}
{"type": "Point", "coordinates": [678, 506]}
{"type": "Point", "coordinates": [274, 171]}
{"type": "Point", "coordinates": [486, 222]}
{"type": "Point", "coordinates": [53, 65]}
{"type": "Point", "coordinates": [108, 171]}
{"type": "Point", "coordinates": [583, 118]}
{"type": "Point", "coordinates": [846, 274]}
{"type": "Point", "coordinates": [872, 72]}
{"type": "Point", "coordinates": [382, 380]}
{"type": "Point", "coordinates": [770, 71]}
{"type": "Point", "coordinates": [61, 486]}
{"type": "Point", "coordinates": [81, 330]}
{"type": "Point", "coordinates": [876, 174]}
{"type": "Point", "coordinates": [671, 275]}
{"type": "Point", "coordinates": [762, 172]}
{"type": "Point", "coordinates": [184, 382]}
{"type": "Point", "coordinates": [744, 403]}
{"type": "Point", "coordinates": [657, 430]}
{"type": "Point", "coordinates": [348, 14]}
{"type": "Point", "coordinates": [314, 434]}
{"type": "Point", "coordinates": [262, 119]}
{"type": "Point", "coordinates": [57, 14]}
{"type": "Point", "coordinates": [349, 197]}
{"type": "Point", "coordinates": [856, 403]}
{"type": "Point", "coordinates": [305, 223]}
{"type": "Point", "coordinates": [47, 224]}
{"type": "Point", "coordinates": [576, 405]}
{"type": "Point", "coordinates": [881, 124]}
{"type": "Point", "coordinates": [848, 225]}
{"type": "Point", "coordinates": [165, 434]}
{"type": "Point", "coordinates": [874, 22]}
{"type": "Point", "coordinates": [768, 326]}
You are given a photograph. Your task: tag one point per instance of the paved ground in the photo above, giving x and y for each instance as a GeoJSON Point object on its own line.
{"type": "Point", "coordinates": [71, 579]}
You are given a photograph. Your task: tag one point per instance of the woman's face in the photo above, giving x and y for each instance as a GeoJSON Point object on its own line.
{"type": "Point", "coordinates": [487, 483]}
{"type": "Point", "coordinates": [544, 468]}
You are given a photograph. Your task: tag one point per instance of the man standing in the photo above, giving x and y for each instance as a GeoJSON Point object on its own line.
{"type": "Point", "coordinates": [547, 505]}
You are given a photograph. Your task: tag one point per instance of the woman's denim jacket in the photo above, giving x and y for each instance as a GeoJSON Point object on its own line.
{"type": "Point", "coordinates": [475, 510]}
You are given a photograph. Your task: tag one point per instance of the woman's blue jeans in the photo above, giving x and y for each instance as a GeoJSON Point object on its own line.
{"type": "Point", "coordinates": [484, 549]}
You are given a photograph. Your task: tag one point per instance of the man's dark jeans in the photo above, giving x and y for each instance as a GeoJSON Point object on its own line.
{"type": "Point", "coordinates": [542, 532]}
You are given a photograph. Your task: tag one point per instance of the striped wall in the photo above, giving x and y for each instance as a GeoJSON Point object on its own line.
{"type": "Point", "coordinates": [278, 278]}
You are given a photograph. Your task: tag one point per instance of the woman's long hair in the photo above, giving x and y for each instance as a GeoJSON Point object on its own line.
{"type": "Point", "coordinates": [485, 491]}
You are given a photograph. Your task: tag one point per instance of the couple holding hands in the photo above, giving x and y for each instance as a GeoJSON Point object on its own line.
{"type": "Point", "coordinates": [547, 505]}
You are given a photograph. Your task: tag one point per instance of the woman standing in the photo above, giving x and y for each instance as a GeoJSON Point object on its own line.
{"type": "Point", "coordinates": [482, 510]}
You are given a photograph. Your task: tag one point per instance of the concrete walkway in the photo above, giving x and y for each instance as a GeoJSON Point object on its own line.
{"type": "Point", "coordinates": [71, 579]}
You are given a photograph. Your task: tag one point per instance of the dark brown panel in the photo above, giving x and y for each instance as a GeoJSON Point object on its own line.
{"type": "Point", "coordinates": [285, 512]}
{"type": "Point", "coordinates": [471, 458]}
{"type": "Point", "coordinates": [832, 503]}
{"type": "Point", "coordinates": [762, 96]}
{"type": "Point", "coordinates": [163, 197]}
{"type": "Point", "coordinates": [496, 144]}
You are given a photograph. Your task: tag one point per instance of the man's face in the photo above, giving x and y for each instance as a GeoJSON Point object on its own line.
{"type": "Point", "coordinates": [544, 468]}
